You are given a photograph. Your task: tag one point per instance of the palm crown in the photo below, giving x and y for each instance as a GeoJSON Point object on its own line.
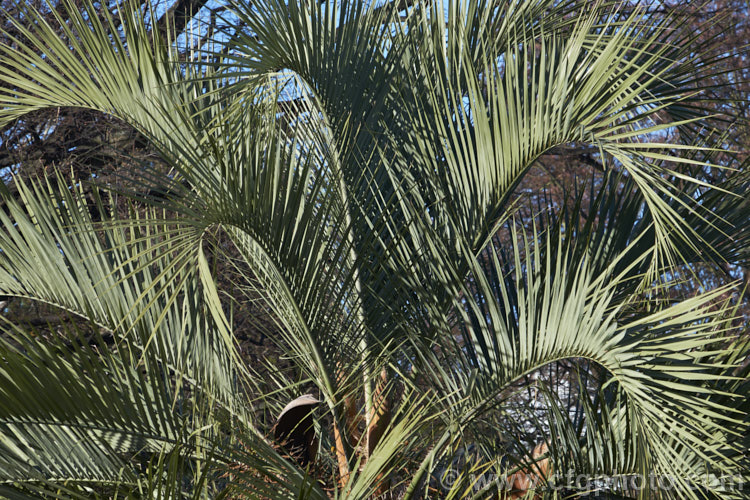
{"type": "Point", "coordinates": [371, 209]}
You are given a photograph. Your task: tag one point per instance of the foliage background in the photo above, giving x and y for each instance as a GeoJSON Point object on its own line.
{"type": "Point", "coordinates": [60, 144]}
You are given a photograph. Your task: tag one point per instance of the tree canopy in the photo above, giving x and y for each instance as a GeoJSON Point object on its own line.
{"type": "Point", "coordinates": [358, 183]}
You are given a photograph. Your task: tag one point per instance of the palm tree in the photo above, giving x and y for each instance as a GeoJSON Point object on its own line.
{"type": "Point", "coordinates": [355, 164]}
